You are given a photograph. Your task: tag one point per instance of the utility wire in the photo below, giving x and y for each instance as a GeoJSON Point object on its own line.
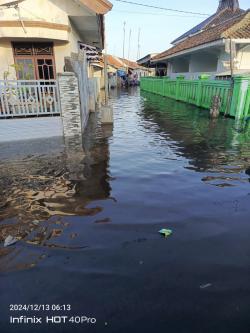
{"type": "Point", "coordinates": [161, 8]}
{"type": "Point", "coordinates": [154, 14]}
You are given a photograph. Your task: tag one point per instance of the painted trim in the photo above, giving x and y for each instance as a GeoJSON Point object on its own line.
{"type": "Point", "coordinates": [241, 40]}
{"type": "Point", "coordinates": [99, 6]}
{"type": "Point", "coordinates": [193, 49]}
{"type": "Point", "coordinates": [35, 24]}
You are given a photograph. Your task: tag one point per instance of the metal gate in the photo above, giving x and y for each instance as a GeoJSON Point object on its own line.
{"type": "Point", "coordinates": [29, 98]}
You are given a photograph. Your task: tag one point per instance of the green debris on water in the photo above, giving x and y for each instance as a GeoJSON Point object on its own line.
{"type": "Point", "coordinates": [166, 232]}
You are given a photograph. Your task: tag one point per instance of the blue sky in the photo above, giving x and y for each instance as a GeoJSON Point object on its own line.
{"type": "Point", "coordinates": [158, 28]}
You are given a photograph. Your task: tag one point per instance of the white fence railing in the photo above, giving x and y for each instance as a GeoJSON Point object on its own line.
{"type": "Point", "coordinates": [20, 98]}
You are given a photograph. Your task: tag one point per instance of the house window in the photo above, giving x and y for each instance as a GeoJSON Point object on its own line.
{"type": "Point", "coordinates": [25, 69]}
{"type": "Point", "coordinates": [34, 61]}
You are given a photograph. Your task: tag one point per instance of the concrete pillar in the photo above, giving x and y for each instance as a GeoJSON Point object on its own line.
{"type": "Point", "coordinates": [92, 95]}
{"type": "Point", "coordinates": [107, 116]}
{"type": "Point", "coordinates": [70, 104]}
{"type": "Point", "coordinates": [240, 100]}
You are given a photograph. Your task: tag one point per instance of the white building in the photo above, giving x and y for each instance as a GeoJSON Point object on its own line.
{"type": "Point", "coordinates": [219, 45]}
{"type": "Point", "coordinates": [40, 40]}
{"type": "Point", "coordinates": [37, 35]}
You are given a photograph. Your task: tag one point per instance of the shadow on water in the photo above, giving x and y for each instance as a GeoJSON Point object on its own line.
{"type": "Point", "coordinates": [48, 182]}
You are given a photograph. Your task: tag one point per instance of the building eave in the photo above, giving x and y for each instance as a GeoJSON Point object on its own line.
{"type": "Point", "coordinates": [100, 7]}
{"type": "Point", "coordinates": [36, 30]}
{"type": "Point", "coordinates": [191, 50]}
{"type": "Point", "coordinates": [241, 40]}
{"type": "Point", "coordinates": [34, 24]}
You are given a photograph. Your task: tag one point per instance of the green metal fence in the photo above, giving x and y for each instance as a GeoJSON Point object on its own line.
{"type": "Point", "coordinates": [235, 96]}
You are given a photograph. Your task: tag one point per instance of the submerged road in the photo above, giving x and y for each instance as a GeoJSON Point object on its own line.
{"type": "Point", "coordinates": [87, 215]}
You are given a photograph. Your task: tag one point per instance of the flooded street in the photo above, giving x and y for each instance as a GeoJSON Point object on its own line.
{"type": "Point", "coordinates": [86, 215]}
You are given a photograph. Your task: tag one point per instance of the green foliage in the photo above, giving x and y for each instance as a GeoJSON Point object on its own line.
{"type": "Point", "coordinates": [21, 72]}
{"type": "Point", "coordinates": [5, 75]}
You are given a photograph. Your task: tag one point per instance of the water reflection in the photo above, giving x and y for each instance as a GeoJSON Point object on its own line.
{"type": "Point", "coordinates": [37, 191]}
{"type": "Point", "coordinates": [210, 145]}
{"type": "Point", "coordinates": [163, 157]}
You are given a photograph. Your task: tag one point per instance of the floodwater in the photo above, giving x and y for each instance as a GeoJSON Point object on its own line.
{"type": "Point", "coordinates": [86, 214]}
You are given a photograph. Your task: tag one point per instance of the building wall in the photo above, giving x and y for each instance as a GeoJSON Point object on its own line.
{"type": "Point", "coordinates": [196, 64]}
{"type": "Point", "coordinates": [63, 50]}
{"type": "Point", "coordinates": [193, 67]}
{"type": "Point", "coordinates": [193, 76]}
{"type": "Point", "coordinates": [241, 62]}
{"type": "Point", "coordinates": [55, 12]}
{"type": "Point", "coordinates": [98, 73]}
{"type": "Point", "coordinates": [144, 72]}
{"type": "Point", "coordinates": [43, 11]}
{"type": "Point", "coordinates": [6, 60]}
{"type": "Point", "coordinates": [170, 69]}
{"type": "Point", "coordinates": [203, 62]}
{"type": "Point", "coordinates": [243, 58]}
{"type": "Point", "coordinates": [111, 69]}
{"type": "Point", "coordinates": [223, 62]}
{"type": "Point", "coordinates": [209, 63]}
{"type": "Point", "coordinates": [180, 65]}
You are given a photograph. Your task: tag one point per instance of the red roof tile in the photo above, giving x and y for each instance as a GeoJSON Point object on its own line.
{"type": "Point", "coordinates": [237, 27]}
{"type": "Point", "coordinates": [227, 9]}
{"type": "Point", "coordinates": [113, 61]}
{"type": "Point", "coordinates": [130, 64]}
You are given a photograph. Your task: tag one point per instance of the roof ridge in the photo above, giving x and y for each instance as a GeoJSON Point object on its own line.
{"type": "Point", "coordinates": [230, 4]}
{"type": "Point", "coordinates": [221, 23]}
{"type": "Point", "coordinates": [186, 34]}
{"type": "Point", "coordinates": [237, 25]}
{"type": "Point", "coordinates": [207, 23]}
{"type": "Point", "coordinates": [213, 17]}
{"type": "Point", "coordinates": [218, 13]}
{"type": "Point", "coordinates": [209, 31]}
{"type": "Point", "coordinates": [101, 7]}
